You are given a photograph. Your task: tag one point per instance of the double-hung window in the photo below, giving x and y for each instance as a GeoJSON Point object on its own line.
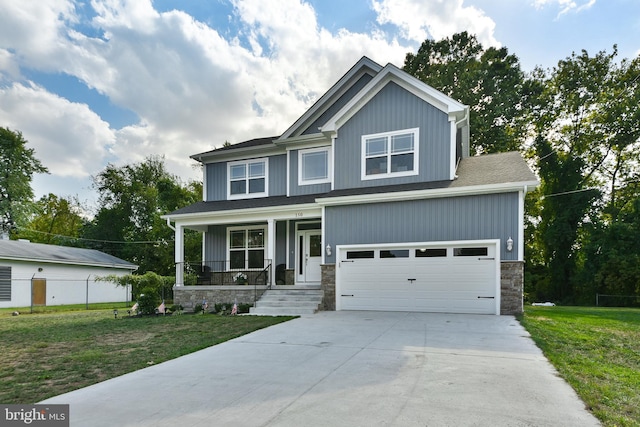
{"type": "Point", "coordinates": [247, 178]}
{"type": "Point", "coordinates": [246, 247]}
{"type": "Point", "coordinates": [314, 166]}
{"type": "Point", "coordinates": [390, 154]}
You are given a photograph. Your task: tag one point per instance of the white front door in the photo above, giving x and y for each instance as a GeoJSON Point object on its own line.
{"type": "Point", "coordinates": [309, 256]}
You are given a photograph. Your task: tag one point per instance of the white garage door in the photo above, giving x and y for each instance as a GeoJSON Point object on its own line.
{"type": "Point", "coordinates": [451, 278]}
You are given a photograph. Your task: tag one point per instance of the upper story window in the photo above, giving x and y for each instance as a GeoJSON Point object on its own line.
{"type": "Point", "coordinates": [314, 166]}
{"type": "Point", "coordinates": [390, 154]}
{"type": "Point", "coordinates": [247, 178]}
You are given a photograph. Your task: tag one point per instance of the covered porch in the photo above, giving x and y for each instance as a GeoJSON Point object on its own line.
{"type": "Point", "coordinates": [265, 246]}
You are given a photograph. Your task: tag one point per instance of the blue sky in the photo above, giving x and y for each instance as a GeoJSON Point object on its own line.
{"type": "Point", "coordinates": [93, 82]}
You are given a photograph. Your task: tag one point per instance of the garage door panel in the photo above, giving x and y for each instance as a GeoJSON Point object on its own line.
{"type": "Point", "coordinates": [454, 284]}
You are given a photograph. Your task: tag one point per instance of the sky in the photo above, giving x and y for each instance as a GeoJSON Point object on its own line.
{"type": "Point", "coordinates": [93, 82]}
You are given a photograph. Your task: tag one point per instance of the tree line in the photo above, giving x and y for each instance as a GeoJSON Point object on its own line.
{"type": "Point", "coordinates": [577, 124]}
{"type": "Point", "coordinates": [126, 222]}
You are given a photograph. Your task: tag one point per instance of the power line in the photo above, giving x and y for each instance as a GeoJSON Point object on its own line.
{"type": "Point", "coordinates": [568, 192]}
{"type": "Point", "coordinates": [138, 242]}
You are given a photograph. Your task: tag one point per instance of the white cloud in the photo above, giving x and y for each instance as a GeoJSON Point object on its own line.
{"type": "Point", "coordinates": [565, 6]}
{"type": "Point", "coordinates": [69, 138]}
{"type": "Point", "coordinates": [437, 19]}
{"type": "Point", "coordinates": [192, 88]}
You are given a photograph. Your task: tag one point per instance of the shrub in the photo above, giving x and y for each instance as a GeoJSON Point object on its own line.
{"type": "Point", "coordinates": [147, 303]}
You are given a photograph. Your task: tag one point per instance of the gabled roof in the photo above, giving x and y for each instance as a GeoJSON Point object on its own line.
{"type": "Point", "coordinates": [246, 145]}
{"type": "Point", "coordinates": [363, 66]}
{"type": "Point", "coordinates": [490, 173]}
{"type": "Point", "coordinates": [391, 73]}
{"type": "Point", "coordinates": [18, 250]}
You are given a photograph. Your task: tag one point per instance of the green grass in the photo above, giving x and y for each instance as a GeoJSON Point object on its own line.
{"type": "Point", "coordinates": [44, 355]}
{"type": "Point", "coordinates": [71, 307]}
{"type": "Point", "coordinates": [597, 350]}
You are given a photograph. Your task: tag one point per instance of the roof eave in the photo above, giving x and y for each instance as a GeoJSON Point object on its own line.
{"type": "Point", "coordinates": [470, 190]}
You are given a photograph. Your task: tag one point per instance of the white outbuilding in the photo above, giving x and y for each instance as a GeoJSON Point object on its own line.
{"type": "Point", "coordinates": [38, 274]}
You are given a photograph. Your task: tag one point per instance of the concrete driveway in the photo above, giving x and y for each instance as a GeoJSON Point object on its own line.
{"type": "Point", "coordinates": [347, 369]}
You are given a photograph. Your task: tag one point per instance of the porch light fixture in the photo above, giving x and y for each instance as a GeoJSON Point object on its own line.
{"type": "Point", "coordinates": [328, 249]}
{"type": "Point", "coordinates": [509, 244]}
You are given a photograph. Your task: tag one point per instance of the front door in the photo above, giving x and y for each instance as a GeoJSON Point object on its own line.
{"type": "Point", "coordinates": [309, 256]}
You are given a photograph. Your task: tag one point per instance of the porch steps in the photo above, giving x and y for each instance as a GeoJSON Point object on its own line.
{"type": "Point", "coordinates": [289, 301]}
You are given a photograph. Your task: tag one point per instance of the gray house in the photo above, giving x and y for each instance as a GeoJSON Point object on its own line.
{"type": "Point", "coordinates": [373, 198]}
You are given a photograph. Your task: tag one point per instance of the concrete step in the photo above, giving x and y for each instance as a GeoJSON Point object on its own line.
{"type": "Point", "coordinates": [288, 302]}
{"type": "Point", "coordinates": [281, 311]}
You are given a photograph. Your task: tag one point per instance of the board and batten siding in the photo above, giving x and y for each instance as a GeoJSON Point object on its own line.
{"type": "Point", "coordinates": [492, 216]}
{"type": "Point", "coordinates": [392, 109]}
{"type": "Point", "coordinates": [216, 176]}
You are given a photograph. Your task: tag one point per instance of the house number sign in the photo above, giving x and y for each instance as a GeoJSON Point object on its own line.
{"type": "Point", "coordinates": [299, 214]}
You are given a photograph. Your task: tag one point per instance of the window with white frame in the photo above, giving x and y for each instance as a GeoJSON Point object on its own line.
{"type": "Point", "coordinates": [314, 166]}
{"type": "Point", "coordinates": [247, 178]}
{"type": "Point", "coordinates": [246, 247]}
{"type": "Point", "coordinates": [390, 154]}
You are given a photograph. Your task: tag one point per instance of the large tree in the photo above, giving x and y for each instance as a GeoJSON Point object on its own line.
{"type": "Point", "coordinates": [55, 220]}
{"type": "Point", "coordinates": [128, 225]}
{"type": "Point", "coordinates": [585, 146]}
{"type": "Point", "coordinates": [489, 81]}
{"type": "Point", "coordinates": [18, 164]}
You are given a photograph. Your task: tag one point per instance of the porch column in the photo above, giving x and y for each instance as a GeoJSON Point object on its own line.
{"type": "Point", "coordinates": [271, 247]}
{"type": "Point", "coordinates": [179, 254]}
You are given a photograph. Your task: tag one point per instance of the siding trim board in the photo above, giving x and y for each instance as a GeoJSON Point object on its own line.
{"type": "Point", "coordinates": [423, 194]}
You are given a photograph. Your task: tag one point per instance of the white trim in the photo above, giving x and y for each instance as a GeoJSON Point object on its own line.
{"type": "Point", "coordinates": [521, 196]}
{"type": "Point", "coordinates": [246, 163]}
{"type": "Point", "coordinates": [392, 73]}
{"type": "Point", "coordinates": [287, 245]}
{"type": "Point", "coordinates": [363, 154]}
{"type": "Point", "coordinates": [452, 148]}
{"type": "Point", "coordinates": [340, 249]}
{"type": "Point", "coordinates": [425, 194]}
{"type": "Point", "coordinates": [204, 182]}
{"type": "Point", "coordinates": [324, 237]}
{"type": "Point", "coordinates": [333, 161]}
{"type": "Point", "coordinates": [326, 180]}
{"type": "Point", "coordinates": [288, 173]}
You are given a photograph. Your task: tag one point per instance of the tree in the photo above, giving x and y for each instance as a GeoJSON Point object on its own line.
{"type": "Point", "coordinates": [128, 225]}
{"type": "Point", "coordinates": [17, 167]}
{"type": "Point", "coordinates": [489, 80]}
{"type": "Point", "coordinates": [585, 125]}
{"type": "Point", "coordinates": [56, 220]}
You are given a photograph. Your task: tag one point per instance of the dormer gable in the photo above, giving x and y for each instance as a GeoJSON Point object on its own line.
{"type": "Point", "coordinates": [338, 95]}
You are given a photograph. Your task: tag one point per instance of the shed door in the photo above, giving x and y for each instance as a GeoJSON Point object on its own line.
{"type": "Point", "coordinates": [39, 291]}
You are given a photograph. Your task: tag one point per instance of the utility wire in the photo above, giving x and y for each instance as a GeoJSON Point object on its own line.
{"type": "Point", "coordinates": [139, 242]}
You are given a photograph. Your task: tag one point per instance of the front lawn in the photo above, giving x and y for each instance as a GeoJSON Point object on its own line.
{"type": "Point", "coordinates": [44, 355]}
{"type": "Point", "coordinates": [597, 350]}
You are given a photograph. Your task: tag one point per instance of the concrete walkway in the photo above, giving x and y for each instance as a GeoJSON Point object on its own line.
{"type": "Point", "coordinates": [346, 369]}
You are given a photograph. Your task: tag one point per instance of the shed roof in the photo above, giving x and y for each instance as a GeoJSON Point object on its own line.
{"type": "Point", "coordinates": [20, 250]}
